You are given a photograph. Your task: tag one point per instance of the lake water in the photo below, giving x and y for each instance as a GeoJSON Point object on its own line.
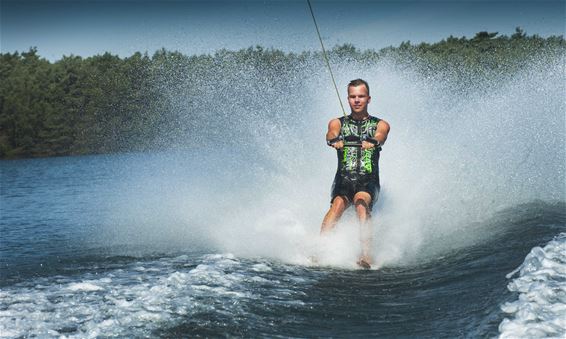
{"type": "Point", "coordinates": [119, 245]}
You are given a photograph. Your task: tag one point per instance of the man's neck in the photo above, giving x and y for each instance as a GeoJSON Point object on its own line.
{"type": "Point", "coordinates": [359, 116]}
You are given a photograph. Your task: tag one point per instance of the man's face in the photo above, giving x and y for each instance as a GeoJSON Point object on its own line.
{"type": "Point", "coordinates": [358, 98]}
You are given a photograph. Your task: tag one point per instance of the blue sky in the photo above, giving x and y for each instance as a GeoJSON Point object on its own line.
{"type": "Point", "coordinates": [89, 27]}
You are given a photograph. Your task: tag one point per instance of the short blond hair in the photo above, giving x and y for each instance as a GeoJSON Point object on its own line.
{"type": "Point", "coordinates": [358, 82]}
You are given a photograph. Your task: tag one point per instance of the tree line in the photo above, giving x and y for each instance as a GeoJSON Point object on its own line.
{"type": "Point", "coordinates": [105, 104]}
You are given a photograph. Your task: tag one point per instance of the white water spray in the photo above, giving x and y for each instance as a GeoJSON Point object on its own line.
{"type": "Point", "coordinates": [451, 162]}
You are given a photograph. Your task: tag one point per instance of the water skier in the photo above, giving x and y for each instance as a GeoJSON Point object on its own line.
{"type": "Point", "coordinates": [357, 139]}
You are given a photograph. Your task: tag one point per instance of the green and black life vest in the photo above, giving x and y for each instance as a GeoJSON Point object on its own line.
{"type": "Point", "coordinates": [355, 160]}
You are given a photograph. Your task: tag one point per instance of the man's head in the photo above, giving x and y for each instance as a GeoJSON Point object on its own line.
{"type": "Point", "coordinates": [358, 96]}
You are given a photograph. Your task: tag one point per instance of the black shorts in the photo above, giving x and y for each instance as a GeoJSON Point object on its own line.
{"type": "Point", "coordinates": [347, 185]}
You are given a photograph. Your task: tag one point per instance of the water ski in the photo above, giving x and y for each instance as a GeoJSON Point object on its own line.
{"type": "Point", "coordinates": [362, 263]}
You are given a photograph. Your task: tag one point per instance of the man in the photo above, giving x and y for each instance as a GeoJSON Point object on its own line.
{"type": "Point", "coordinates": [357, 139]}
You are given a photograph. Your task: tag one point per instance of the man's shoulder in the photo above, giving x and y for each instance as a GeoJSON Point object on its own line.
{"type": "Point", "coordinates": [383, 125]}
{"type": "Point", "coordinates": [334, 124]}
{"type": "Point", "coordinates": [336, 120]}
{"type": "Point", "coordinates": [375, 118]}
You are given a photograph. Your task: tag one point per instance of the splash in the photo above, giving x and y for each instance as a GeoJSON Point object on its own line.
{"type": "Point", "coordinates": [257, 176]}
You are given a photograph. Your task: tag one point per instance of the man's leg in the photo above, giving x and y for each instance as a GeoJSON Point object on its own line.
{"type": "Point", "coordinates": [339, 205]}
{"type": "Point", "coordinates": [362, 201]}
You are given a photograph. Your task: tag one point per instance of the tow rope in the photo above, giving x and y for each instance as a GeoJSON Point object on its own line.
{"type": "Point", "coordinates": [326, 59]}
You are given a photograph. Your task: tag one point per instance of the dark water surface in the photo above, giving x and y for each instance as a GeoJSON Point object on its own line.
{"type": "Point", "coordinates": [64, 272]}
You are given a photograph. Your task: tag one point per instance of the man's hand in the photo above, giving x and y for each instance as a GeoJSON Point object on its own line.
{"type": "Point", "coordinates": [338, 144]}
{"type": "Point", "coordinates": [367, 145]}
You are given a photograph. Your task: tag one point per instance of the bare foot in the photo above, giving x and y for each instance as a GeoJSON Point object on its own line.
{"type": "Point", "coordinates": [364, 262]}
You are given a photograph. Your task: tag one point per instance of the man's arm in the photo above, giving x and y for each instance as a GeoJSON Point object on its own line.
{"type": "Point", "coordinates": [382, 131]}
{"type": "Point", "coordinates": [334, 127]}
{"type": "Point", "coordinates": [380, 134]}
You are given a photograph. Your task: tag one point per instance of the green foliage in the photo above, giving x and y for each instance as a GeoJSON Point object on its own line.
{"type": "Point", "coordinates": [105, 104]}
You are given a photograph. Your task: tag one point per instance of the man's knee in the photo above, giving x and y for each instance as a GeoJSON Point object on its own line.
{"type": "Point", "coordinates": [362, 207]}
{"type": "Point", "coordinates": [339, 204]}
{"type": "Point", "coordinates": [362, 197]}
{"type": "Point", "coordinates": [362, 202]}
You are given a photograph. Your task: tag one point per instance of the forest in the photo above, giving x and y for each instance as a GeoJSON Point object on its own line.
{"type": "Point", "coordinates": [107, 104]}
